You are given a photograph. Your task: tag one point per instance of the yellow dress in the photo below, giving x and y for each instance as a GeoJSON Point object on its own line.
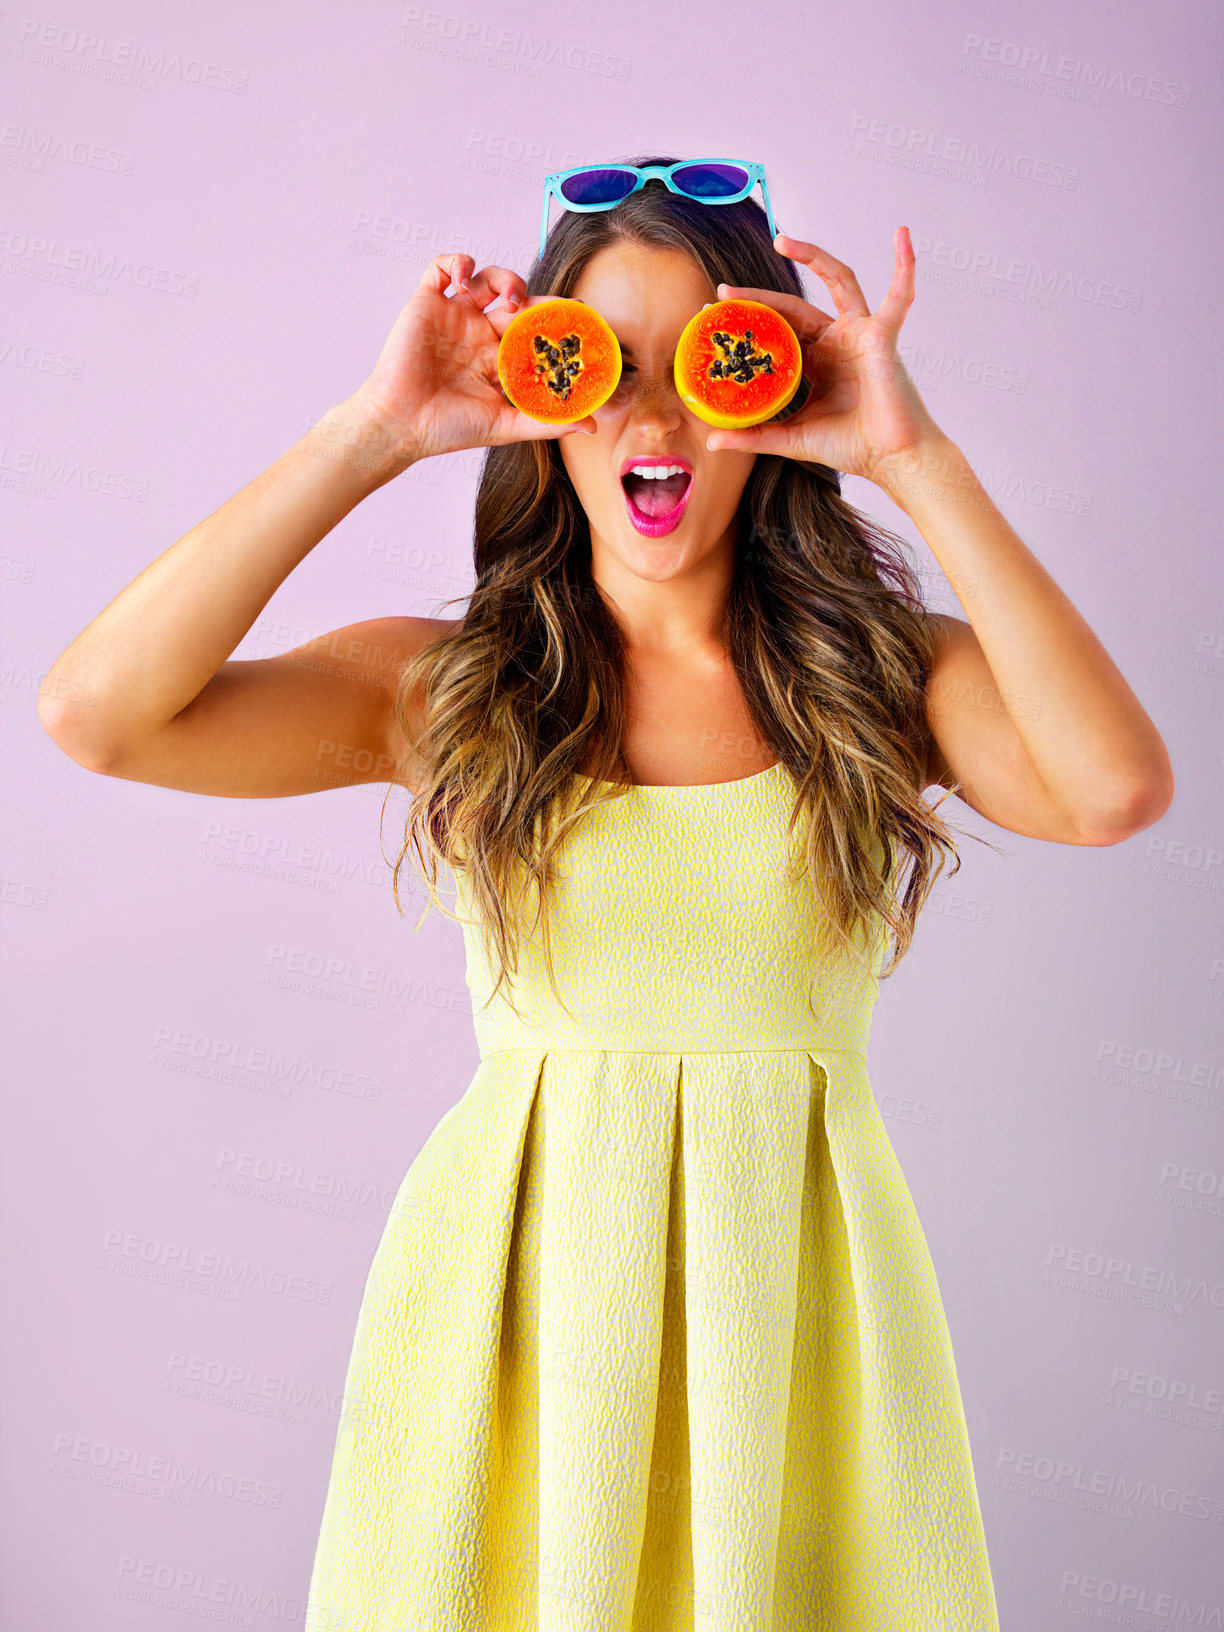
{"type": "Point", "coordinates": [652, 1339]}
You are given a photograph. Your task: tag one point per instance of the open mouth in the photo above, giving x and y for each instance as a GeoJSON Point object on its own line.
{"type": "Point", "coordinates": [656, 503]}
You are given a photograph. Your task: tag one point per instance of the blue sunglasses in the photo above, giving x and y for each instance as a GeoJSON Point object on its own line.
{"type": "Point", "coordinates": [603, 186]}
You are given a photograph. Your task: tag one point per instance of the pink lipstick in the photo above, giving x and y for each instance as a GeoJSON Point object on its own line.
{"type": "Point", "coordinates": [656, 503]}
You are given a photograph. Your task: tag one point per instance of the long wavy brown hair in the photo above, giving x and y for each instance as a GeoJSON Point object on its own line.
{"type": "Point", "coordinates": [824, 623]}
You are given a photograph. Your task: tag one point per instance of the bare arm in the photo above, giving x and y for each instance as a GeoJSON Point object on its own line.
{"type": "Point", "coordinates": [149, 690]}
{"type": "Point", "coordinates": [1026, 709]}
{"type": "Point", "coordinates": [320, 716]}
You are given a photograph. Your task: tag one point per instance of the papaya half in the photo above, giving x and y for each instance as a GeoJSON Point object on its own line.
{"type": "Point", "coordinates": [558, 361]}
{"type": "Point", "coordinates": [738, 362]}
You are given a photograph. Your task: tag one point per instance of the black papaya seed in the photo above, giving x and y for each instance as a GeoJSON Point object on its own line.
{"type": "Point", "coordinates": [739, 361]}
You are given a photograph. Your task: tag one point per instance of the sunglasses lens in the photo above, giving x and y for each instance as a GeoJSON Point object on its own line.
{"type": "Point", "coordinates": [598, 186]}
{"type": "Point", "coordinates": [711, 180]}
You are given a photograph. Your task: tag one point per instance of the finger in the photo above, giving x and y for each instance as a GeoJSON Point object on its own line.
{"type": "Point", "coordinates": [492, 281]}
{"type": "Point", "coordinates": [841, 281]}
{"type": "Point", "coordinates": [808, 321]}
{"type": "Point", "coordinates": [900, 297]}
{"type": "Point", "coordinates": [520, 427]}
{"type": "Point", "coordinates": [776, 439]}
{"type": "Point", "coordinates": [501, 318]}
{"type": "Point", "coordinates": [440, 272]}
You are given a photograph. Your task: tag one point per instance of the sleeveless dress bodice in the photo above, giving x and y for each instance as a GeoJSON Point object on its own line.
{"type": "Point", "coordinates": [677, 927]}
{"type": "Point", "coordinates": [652, 1340]}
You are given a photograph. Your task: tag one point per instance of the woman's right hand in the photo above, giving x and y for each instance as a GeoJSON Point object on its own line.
{"type": "Point", "coordinates": [434, 388]}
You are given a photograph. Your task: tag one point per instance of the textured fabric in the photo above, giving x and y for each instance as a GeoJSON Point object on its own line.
{"type": "Point", "coordinates": [652, 1340]}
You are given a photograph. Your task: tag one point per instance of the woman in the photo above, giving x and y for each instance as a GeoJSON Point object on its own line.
{"type": "Point", "coordinates": [652, 1338]}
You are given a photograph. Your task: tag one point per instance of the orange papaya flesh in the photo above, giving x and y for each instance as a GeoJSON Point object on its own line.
{"type": "Point", "coordinates": [558, 361]}
{"type": "Point", "coordinates": [738, 362]}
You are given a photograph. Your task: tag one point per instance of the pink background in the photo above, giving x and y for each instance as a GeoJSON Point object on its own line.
{"type": "Point", "coordinates": [253, 199]}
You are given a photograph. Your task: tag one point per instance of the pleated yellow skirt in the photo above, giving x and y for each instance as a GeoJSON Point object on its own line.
{"type": "Point", "coordinates": [652, 1340]}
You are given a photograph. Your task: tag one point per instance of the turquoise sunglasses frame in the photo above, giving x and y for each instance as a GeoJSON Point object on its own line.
{"type": "Point", "coordinates": [642, 174]}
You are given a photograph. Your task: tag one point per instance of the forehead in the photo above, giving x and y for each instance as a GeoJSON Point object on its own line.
{"type": "Point", "coordinates": [647, 295]}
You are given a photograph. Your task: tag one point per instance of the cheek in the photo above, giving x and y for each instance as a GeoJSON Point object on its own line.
{"type": "Point", "coordinates": [572, 449]}
{"type": "Point", "coordinates": [586, 467]}
{"type": "Point", "coordinates": [724, 484]}
{"type": "Point", "coordinates": [616, 407]}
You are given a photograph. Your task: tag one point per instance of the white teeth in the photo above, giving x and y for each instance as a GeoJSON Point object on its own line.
{"type": "Point", "coordinates": [656, 472]}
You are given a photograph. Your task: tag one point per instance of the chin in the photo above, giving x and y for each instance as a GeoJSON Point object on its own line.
{"type": "Point", "coordinates": [657, 559]}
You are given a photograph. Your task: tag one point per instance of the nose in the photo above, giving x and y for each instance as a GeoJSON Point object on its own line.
{"type": "Point", "coordinates": [656, 403]}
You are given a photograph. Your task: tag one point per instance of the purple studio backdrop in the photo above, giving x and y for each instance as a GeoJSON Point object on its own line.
{"type": "Point", "coordinates": [225, 1046]}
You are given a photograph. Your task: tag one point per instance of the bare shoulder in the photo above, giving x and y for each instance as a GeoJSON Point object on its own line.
{"type": "Point", "coordinates": [391, 643]}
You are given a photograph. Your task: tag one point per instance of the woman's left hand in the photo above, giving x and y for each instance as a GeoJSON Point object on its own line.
{"type": "Point", "coordinates": [863, 409]}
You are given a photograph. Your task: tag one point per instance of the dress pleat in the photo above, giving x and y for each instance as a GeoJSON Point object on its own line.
{"type": "Point", "coordinates": [606, 1133]}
